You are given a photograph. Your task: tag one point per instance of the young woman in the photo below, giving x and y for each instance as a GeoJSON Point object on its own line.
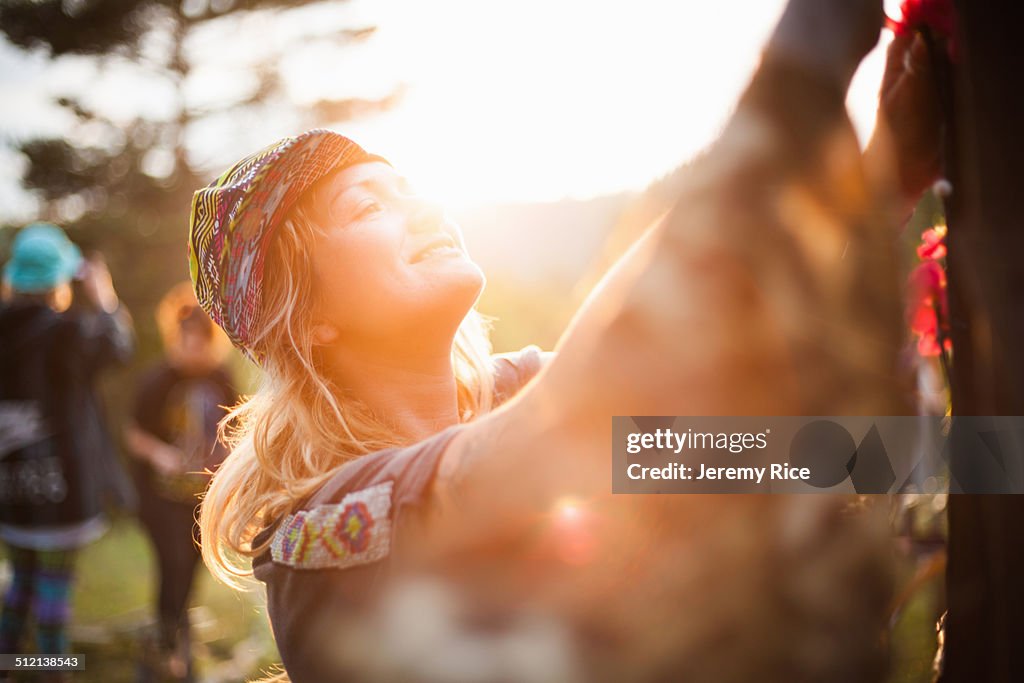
{"type": "Point", "coordinates": [57, 464]}
{"type": "Point", "coordinates": [355, 296]}
{"type": "Point", "coordinates": [178, 404]}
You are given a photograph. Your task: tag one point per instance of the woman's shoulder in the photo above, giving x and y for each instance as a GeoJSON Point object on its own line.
{"type": "Point", "coordinates": [356, 515]}
{"type": "Point", "coordinates": [325, 561]}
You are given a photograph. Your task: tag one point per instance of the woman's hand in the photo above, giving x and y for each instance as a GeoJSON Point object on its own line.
{"type": "Point", "coordinates": [904, 149]}
{"type": "Point", "coordinates": [167, 460]}
{"type": "Point", "coordinates": [164, 458]}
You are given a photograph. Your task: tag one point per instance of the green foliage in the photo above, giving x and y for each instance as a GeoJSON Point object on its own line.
{"type": "Point", "coordinates": [98, 27]}
{"type": "Point", "coordinates": [88, 28]}
{"type": "Point", "coordinates": [124, 188]}
{"type": "Point", "coordinates": [143, 163]}
{"type": "Point", "coordinates": [525, 312]}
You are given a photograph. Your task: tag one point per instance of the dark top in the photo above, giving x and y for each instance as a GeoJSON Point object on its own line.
{"type": "Point", "coordinates": [183, 410]}
{"type": "Point", "coordinates": [327, 558]}
{"type": "Point", "coordinates": [57, 462]}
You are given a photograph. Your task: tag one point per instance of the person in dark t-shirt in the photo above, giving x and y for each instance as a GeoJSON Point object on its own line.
{"type": "Point", "coordinates": [179, 403]}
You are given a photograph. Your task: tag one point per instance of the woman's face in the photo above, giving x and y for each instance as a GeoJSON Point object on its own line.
{"type": "Point", "coordinates": [386, 262]}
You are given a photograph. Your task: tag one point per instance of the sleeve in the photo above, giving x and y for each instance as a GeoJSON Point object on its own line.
{"type": "Point", "coordinates": [410, 471]}
{"type": "Point", "coordinates": [106, 338]}
{"type": "Point", "coordinates": [512, 371]}
{"type": "Point", "coordinates": [362, 513]}
{"type": "Point", "coordinates": [800, 130]}
{"type": "Point", "coordinates": [327, 560]}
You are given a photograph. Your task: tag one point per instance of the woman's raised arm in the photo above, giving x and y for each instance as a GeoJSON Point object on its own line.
{"type": "Point", "coordinates": [770, 288]}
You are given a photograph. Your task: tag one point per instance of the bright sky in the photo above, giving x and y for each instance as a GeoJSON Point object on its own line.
{"type": "Point", "coordinates": [540, 99]}
{"type": "Point", "coordinates": [508, 101]}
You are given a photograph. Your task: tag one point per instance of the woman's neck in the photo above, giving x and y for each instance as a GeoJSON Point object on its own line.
{"type": "Point", "coordinates": [415, 393]}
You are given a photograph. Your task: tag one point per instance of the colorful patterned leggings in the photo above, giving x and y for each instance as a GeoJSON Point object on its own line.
{"type": "Point", "coordinates": [41, 585]}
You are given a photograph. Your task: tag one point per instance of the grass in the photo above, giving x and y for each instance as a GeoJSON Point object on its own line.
{"type": "Point", "coordinates": [113, 608]}
{"type": "Point", "coordinates": [913, 636]}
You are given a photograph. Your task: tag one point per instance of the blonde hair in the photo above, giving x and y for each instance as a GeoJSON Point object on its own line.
{"type": "Point", "coordinates": [290, 436]}
{"type": "Point", "coordinates": [176, 307]}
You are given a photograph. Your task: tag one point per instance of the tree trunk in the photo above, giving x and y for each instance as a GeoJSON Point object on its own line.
{"type": "Point", "coordinates": [984, 626]}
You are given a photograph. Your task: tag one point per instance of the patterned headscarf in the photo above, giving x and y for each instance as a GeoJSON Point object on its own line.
{"type": "Point", "coordinates": [235, 217]}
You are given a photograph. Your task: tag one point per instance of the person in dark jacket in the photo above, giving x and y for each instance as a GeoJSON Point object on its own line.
{"type": "Point", "coordinates": [57, 465]}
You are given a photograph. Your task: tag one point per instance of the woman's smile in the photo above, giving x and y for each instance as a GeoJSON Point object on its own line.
{"type": "Point", "coordinates": [387, 260]}
{"type": "Point", "coordinates": [438, 246]}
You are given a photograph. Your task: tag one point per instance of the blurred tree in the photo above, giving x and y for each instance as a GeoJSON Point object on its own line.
{"type": "Point", "coordinates": [140, 163]}
{"type": "Point", "coordinates": [123, 184]}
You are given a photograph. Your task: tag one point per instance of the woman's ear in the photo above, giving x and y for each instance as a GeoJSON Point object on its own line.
{"type": "Point", "coordinates": [325, 334]}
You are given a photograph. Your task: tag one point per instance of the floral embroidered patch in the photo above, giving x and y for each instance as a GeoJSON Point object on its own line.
{"type": "Point", "coordinates": [347, 534]}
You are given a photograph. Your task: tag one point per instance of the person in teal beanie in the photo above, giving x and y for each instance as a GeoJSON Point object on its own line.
{"type": "Point", "coordinates": [57, 466]}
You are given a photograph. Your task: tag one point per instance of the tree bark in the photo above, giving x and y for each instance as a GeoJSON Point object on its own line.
{"type": "Point", "coordinates": [985, 151]}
